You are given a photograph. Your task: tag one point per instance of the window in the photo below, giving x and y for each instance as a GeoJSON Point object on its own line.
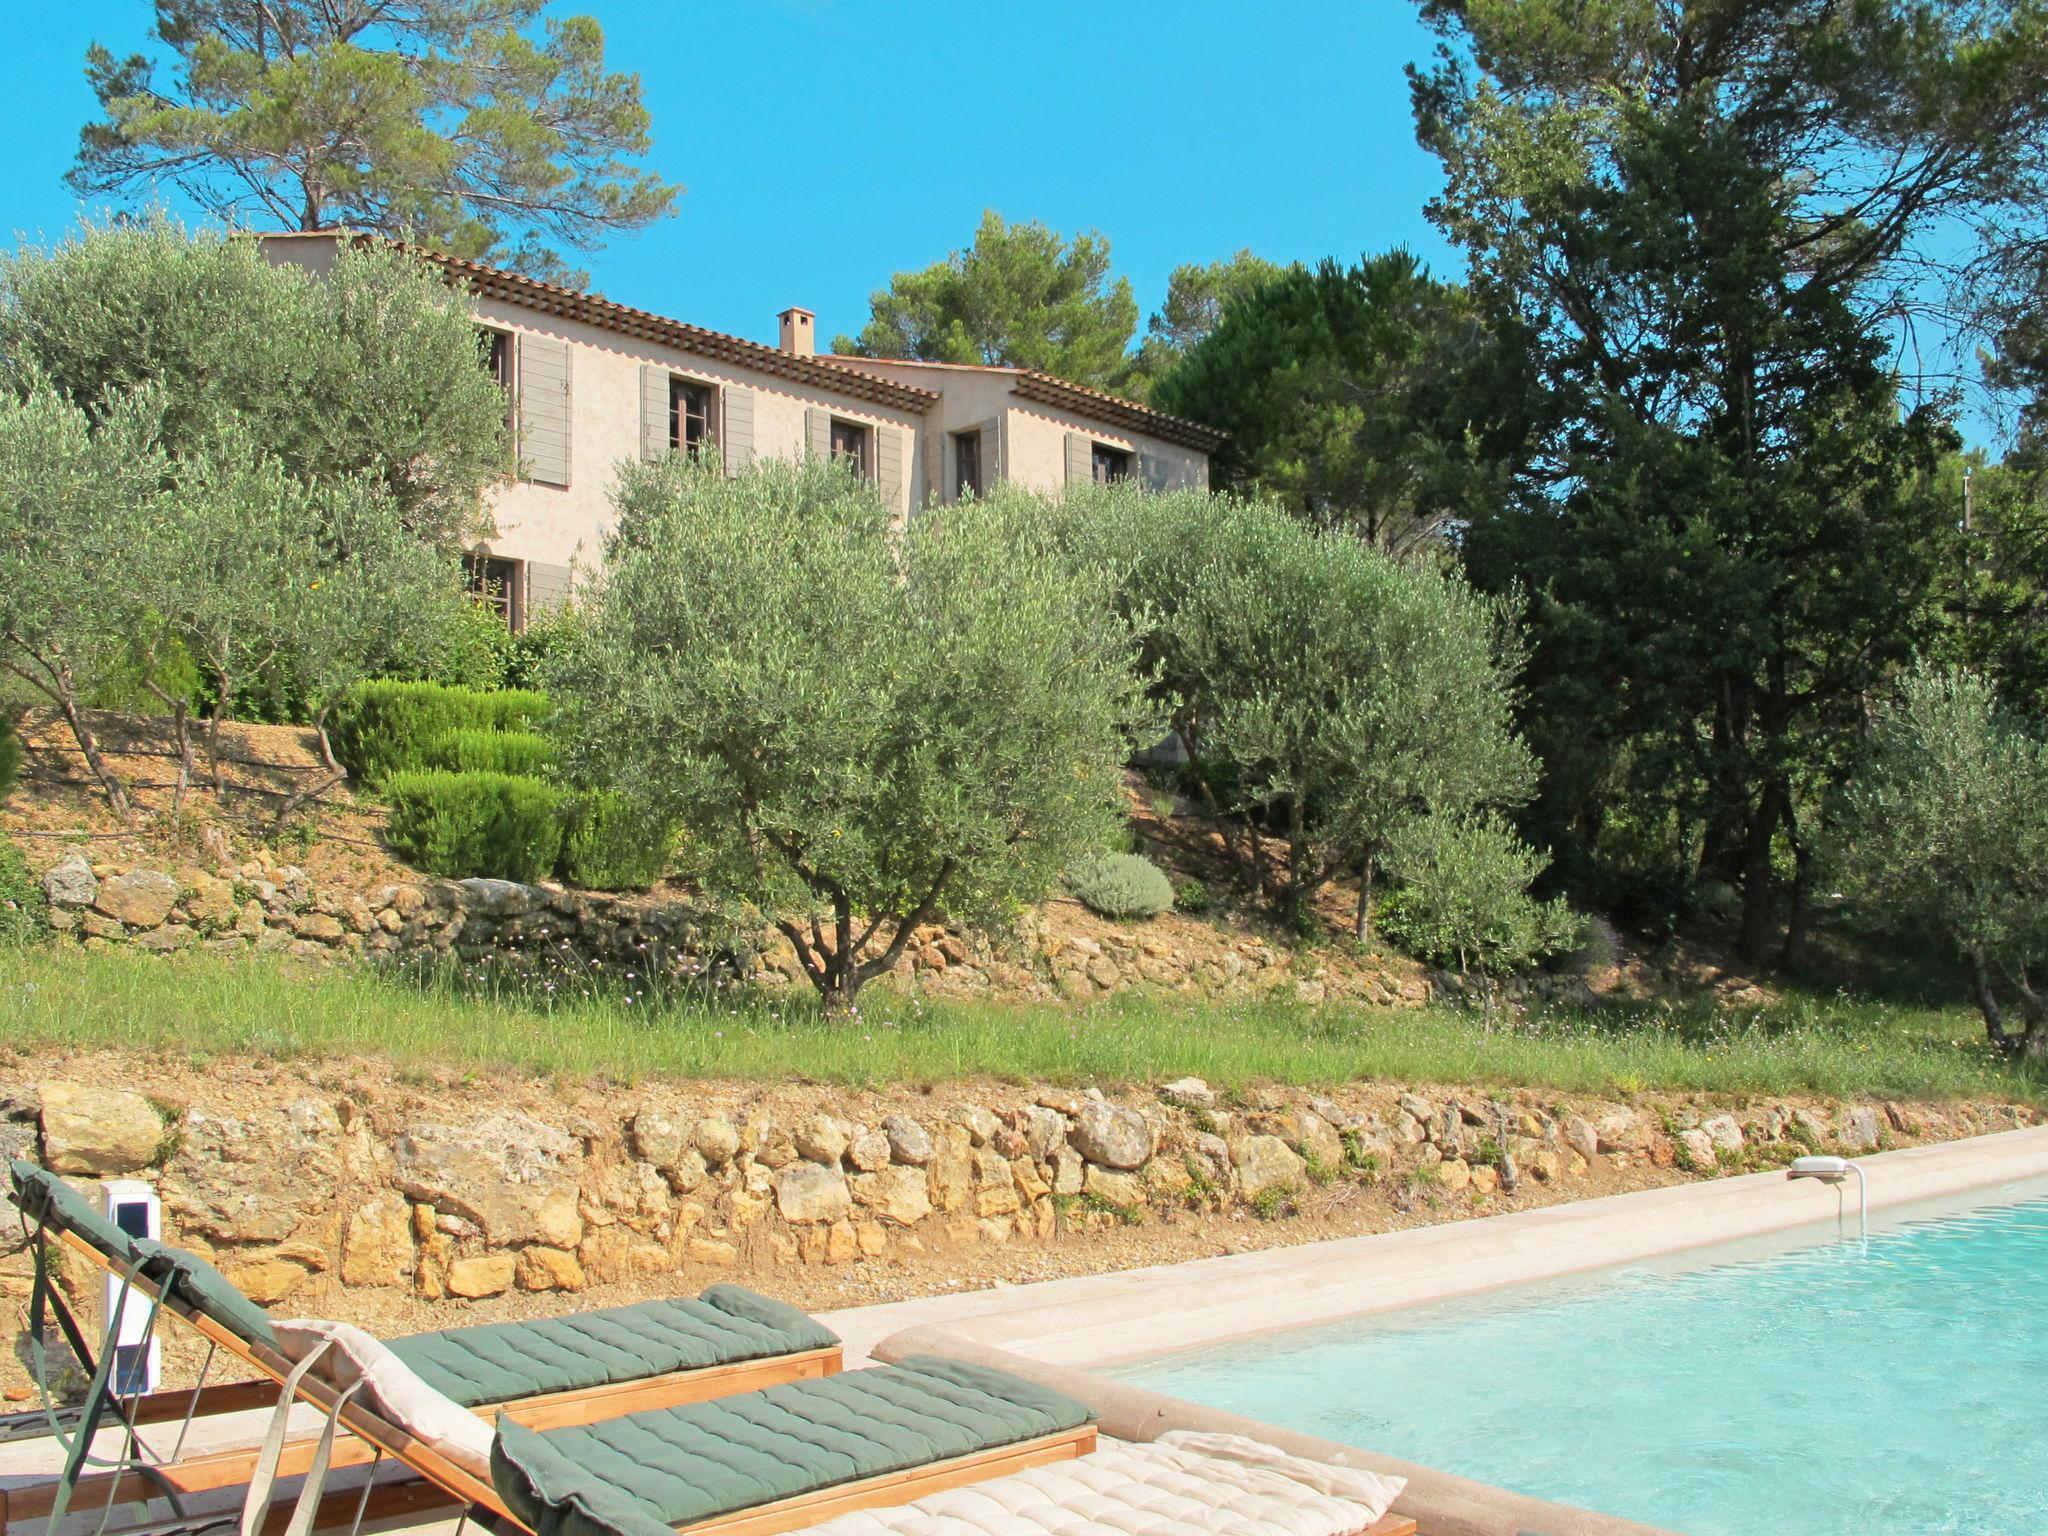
{"type": "Point", "coordinates": [850, 446]}
{"type": "Point", "coordinates": [501, 358]}
{"type": "Point", "coordinates": [1111, 465]}
{"type": "Point", "coordinates": [495, 583]}
{"type": "Point", "coordinates": [966, 464]}
{"type": "Point", "coordinates": [692, 416]}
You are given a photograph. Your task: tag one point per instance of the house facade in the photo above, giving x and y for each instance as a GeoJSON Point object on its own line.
{"type": "Point", "coordinates": [590, 383]}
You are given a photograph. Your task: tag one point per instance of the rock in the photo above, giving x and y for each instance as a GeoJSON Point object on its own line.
{"type": "Point", "coordinates": [98, 1130]}
{"type": "Point", "coordinates": [1408, 1130]}
{"type": "Point", "coordinates": [267, 1281]}
{"type": "Point", "coordinates": [1454, 1173]}
{"type": "Point", "coordinates": [908, 1141]}
{"type": "Point", "coordinates": [1266, 1163]}
{"type": "Point", "coordinates": [512, 1176]}
{"type": "Point", "coordinates": [1861, 1129]}
{"type": "Point", "coordinates": [823, 1139]}
{"type": "Point", "coordinates": [1485, 1179]}
{"type": "Point", "coordinates": [499, 898]}
{"type": "Point", "coordinates": [868, 1151]}
{"type": "Point", "coordinates": [1045, 1131]}
{"type": "Point", "coordinates": [1126, 1191]}
{"type": "Point", "coordinates": [1698, 1148]}
{"type": "Point", "coordinates": [1619, 1131]}
{"type": "Point", "coordinates": [1112, 1136]}
{"type": "Point", "coordinates": [1816, 1126]}
{"type": "Point", "coordinates": [1188, 1093]}
{"type": "Point", "coordinates": [1060, 1101]}
{"type": "Point", "coordinates": [660, 1136]}
{"type": "Point", "coordinates": [718, 1141]}
{"type": "Point", "coordinates": [378, 1250]}
{"type": "Point", "coordinates": [712, 1250]}
{"type": "Point", "coordinates": [1580, 1136]}
{"type": "Point", "coordinates": [899, 1193]}
{"type": "Point", "coordinates": [70, 882]}
{"type": "Point", "coordinates": [1314, 1138]}
{"type": "Point", "coordinates": [1722, 1130]}
{"type": "Point", "coordinates": [141, 898]}
{"type": "Point", "coordinates": [807, 1192]}
{"type": "Point", "coordinates": [1340, 1117]}
{"type": "Point", "coordinates": [488, 1274]}
{"type": "Point", "coordinates": [1419, 1110]}
{"type": "Point", "coordinates": [212, 902]}
{"type": "Point", "coordinates": [1069, 1170]}
{"type": "Point", "coordinates": [548, 1269]}
{"type": "Point", "coordinates": [166, 939]}
{"type": "Point", "coordinates": [318, 927]}
{"type": "Point", "coordinates": [979, 1124]}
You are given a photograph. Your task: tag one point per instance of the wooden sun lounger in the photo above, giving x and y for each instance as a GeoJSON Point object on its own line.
{"type": "Point", "coordinates": [207, 1471]}
{"type": "Point", "coordinates": [450, 1486]}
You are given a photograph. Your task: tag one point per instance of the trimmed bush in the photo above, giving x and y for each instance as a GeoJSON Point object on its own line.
{"type": "Point", "coordinates": [500, 826]}
{"type": "Point", "coordinates": [24, 909]}
{"type": "Point", "coordinates": [614, 843]}
{"type": "Point", "coordinates": [10, 755]}
{"type": "Point", "coordinates": [470, 751]}
{"type": "Point", "coordinates": [384, 727]}
{"type": "Point", "coordinates": [1122, 885]}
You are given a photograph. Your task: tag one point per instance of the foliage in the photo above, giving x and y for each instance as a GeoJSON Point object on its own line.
{"type": "Point", "coordinates": [1997, 614]}
{"type": "Point", "coordinates": [24, 908]}
{"type": "Point", "coordinates": [473, 750]}
{"type": "Point", "coordinates": [1020, 295]}
{"type": "Point", "coordinates": [861, 729]}
{"type": "Point", "coordinates": [490, 131]}
{"type": "Point", "coordinates": [10, 753]}
{"type": "Point", "coordinates": [499, 826]}
{"type": "Point", "coordinates": [366, 374]}
{"type": "Point", "coordinates": [1706, 223]}
{"type": "Point", "coordinates": [1370, 397]}
{"type": "Point", "coordinates": [1945, 830]}
{"type": "Point", "coordinates": [1122, 885]}
{"type": "Point", "coordinates": [386, 726]}
{"type": "Point", "coordinates": [1193, 897]}
{"type": "Point", "coordinates": [1196, 297]}
{"type": "Point", "coordinates": [1464, 897]}
{"type": "Point", "coordinates": [614, 842]}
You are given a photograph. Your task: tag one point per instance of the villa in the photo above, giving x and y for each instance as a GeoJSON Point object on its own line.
{"type": "Point", "coordinates": [593, 382]}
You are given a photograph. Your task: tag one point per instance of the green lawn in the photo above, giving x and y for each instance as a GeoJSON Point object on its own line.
{"type": "Point", "coordinates": [205, 1008]}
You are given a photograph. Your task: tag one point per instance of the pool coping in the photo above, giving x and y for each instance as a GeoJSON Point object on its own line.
{"type": "Point", "coordinates": [1054, 1332]}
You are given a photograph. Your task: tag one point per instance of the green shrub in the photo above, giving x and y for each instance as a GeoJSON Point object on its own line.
{"type": "Point", "coordinates": [472, 751]}
{"type": "Point", "coordinates": [10, 755]}
{"type": "Point", "coordinates": [1193, 897]}
{"type": "Point", "coordinates": [1123, 885]}
{"type": "Point", "coordinates": [501, 826]}
{"type": "Point", "coordinates": [384, 727]}
{"type": "Point", "coordinates": [23, 906]}
{"type": "Point", "coordinates": [614, 842]}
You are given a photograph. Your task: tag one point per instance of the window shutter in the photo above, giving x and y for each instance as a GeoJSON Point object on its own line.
{"type": "Point", "coordinates": [889, 465]}
{"type": "Point", "coordinates": [544, 409]}
{"type": "Point", "coordinates": [736, 432]}
{"type": "Point", "coordinates": [817, 434]}
{"type": "Point", "coordinates": [1152, 471]}
{"type": "Point", "coordinates": [654, 432]}
{"type": "Point", "coordinates": [991, 452]}
{"type": "Point", "coordinates": [547, 586]}
{"type": "Point", "coordinates": [935, 484]}
{"type": "Point", "coordinates": [1080, 459]}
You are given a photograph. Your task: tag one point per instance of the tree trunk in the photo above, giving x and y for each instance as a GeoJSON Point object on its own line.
{"type": "Point", "coordinates": [1755, 941]}
{"type": "Point", "coordinates": [213, 720]}
{"type": "Point", "coordinates": [1799, 921]}
{"type": "Point", "coordinates": [1987, 999]}
{"type": "Point", "coordinates": [89, 748]}
{"type": "Point", "coordinates": [1362, 925]}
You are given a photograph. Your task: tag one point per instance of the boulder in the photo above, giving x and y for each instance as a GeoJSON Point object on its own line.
{"type": "Point", "coordinates": [909, 1142]}
{"type": "Point", "coordinates": [1861, 1129]}
{"type": "Point", "coordinates": [512, 1176]}
{"type": "Point", "coordinates": [212, 902]}
{"type": "Point", "coordinates": [378, 1249]}
{"type": "Point", "coordinates": [717, 1140]}
{"type": "Point", "coordinates": [1112, 1136]}
{"type": "Point", "coordinates": [267, 1281]}
{"type": "Point", "coordinates": [978, 1123]}
{"type": "Point", "coordinates": [488, 1274]}
{"type": "Point", "coordinates": [806, 1193]}
{"type": "Point", "coordinates": [141, 898]}
{"type": "Point", "coordinates": [1126, 1191]}
{"type": "Point", "coordinates": [869, 1151]}
{"type": "Point", "coordinates": [1723, 1131]}
{"type": "Point", "coordinates": [1313, 1137]}
{"type": "Point", "coordinates": [1619, 1131]}
{"type": "Point", "coordinates": [660, 1136]}
{"type": "Point", "coordinates": [70, 882]}
{"type": "Point", "coordinates": [1454, 1173]}
{"type": "Point", "coordinates": [98, 1130]}
{"type": "Point", "coordinates": [1580, 1136]}
{"type": "Point", "coordinates": [823, 1139]}
{"type": "Point", "coordinates": [1266, 1163]}
{"type": "Point", "coordinates": [1045, 1131]}
{"type": "Point", "coordinates": [1188, 1093]}
{"type": "Point", "coordinates": [1342, 1118]}
{"type": "Point", "coordinates": [1698, 1150]}
{"type": "Point", "coordinates": [899, 1193]}
{"type": "Point", "coordinates": [548, 1269]}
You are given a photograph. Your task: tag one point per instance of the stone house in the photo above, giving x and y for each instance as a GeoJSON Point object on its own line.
{"type": "Point", "coordinates": [591, 382]}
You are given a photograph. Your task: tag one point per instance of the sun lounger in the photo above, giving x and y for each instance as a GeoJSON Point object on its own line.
{"type": "Point", "coordinates": [544, 1373]}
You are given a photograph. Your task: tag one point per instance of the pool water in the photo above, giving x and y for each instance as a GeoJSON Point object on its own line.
{"type": "Point", "coordinates": [1839, 1389]}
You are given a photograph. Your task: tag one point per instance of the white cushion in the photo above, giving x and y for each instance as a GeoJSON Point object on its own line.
{"type": "Point", "coordinates": [1183, 1484]}
{"type": "Point", "coordinates": [427, 1414]}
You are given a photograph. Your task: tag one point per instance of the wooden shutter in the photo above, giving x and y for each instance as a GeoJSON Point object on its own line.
{"type": "Point", "coordinates": [547, 586]}
{"type": "Point", "coordinates": [544, 409]}
{"type": "Point", "coordinates": [1152, 471]}
{"type": "Point", "coordinates": [736, 432]}
{"type": "Point", "coordinates": [817, 434]}
{"type": "Point", "coordinates": [889, 465]}
{"type": "Point", "coordinates": [991, 453]}
{"type": "Point", "coordinates": [1080, 459]}
{"type": "Point", "coordinates": [654, 426]}
{"type": "Point", "coordinates": [935, 483]}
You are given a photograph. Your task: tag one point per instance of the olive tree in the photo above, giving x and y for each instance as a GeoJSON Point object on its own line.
{"type": "Point", "coordinates": [1945, 829]}
{"type": "Point", "coordinates": [869, 728]}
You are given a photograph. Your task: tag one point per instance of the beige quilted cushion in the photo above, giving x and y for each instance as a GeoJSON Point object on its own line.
{"type": "Point", "coordinates": [1182, 1484]}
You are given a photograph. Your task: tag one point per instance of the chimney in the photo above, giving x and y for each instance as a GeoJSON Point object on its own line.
{"type": "Point", "coordinates": [799, 332]}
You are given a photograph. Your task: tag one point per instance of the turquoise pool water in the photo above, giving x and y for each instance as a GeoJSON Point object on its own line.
{"type": "Point", "coordinates": [1830, 1390]}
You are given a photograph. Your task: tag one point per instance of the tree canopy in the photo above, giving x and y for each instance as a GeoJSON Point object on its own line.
{"type": "Point", "coordinates": [1196, 295]}
{"type": "Point", "coordinates": [488, 128]}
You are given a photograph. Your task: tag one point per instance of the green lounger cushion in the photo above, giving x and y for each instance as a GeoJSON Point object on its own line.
{"type": "Point", "coordinates": [644, 1473]}
{"type": "Point", "coordinates": [498, 1362]}
{"type": "Point", "coordinates": [188, 1278]}
{"type": "Point", "coordinates": [44, 1197]}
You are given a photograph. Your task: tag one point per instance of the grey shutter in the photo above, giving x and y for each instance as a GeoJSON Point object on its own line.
{"type": "Point", "coordinates": [737, 434]}
{"type": "Point", "coordinates": [889, 465]}
{"type": "Point", "coordinates": [547, 586]}
{"type": "Point", "coordinates": [991, 452]}
{"type": "Point", "coordinates": [655, 441]}
{"type": "Point", "coordinates": [935, 486]}
{"type": "Point", "coordinates": [1080, 459]}
{"type": "Point", "coordinates": [1152, 471]}
{"type": "Point", "coordinates": [817, 434]}
{"type": "Point", "coordinates": [544, 409]}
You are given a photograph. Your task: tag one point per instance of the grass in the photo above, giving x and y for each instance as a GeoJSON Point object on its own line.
{"type": "Point", "coordinates": [205, 1007]}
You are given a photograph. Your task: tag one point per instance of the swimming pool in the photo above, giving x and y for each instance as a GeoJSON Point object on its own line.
{"type": "Point", "coordinates": [1832, 1389]}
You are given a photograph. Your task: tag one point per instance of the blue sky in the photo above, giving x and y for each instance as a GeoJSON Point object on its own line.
{"type": "Point", "coordinates": [826, 144]}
